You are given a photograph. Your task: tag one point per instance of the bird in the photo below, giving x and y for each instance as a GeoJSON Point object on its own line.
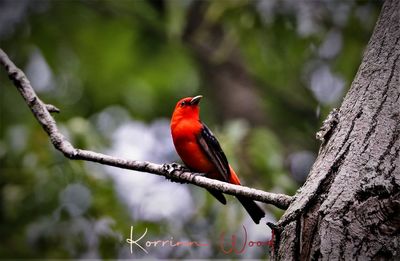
{"type": "Point", "coordinates": [201, 152]}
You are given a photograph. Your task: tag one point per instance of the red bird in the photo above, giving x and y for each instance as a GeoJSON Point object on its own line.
{"type": "Point", "coordinates": [201, 152]}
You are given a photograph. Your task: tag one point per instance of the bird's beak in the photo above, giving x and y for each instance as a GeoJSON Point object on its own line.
{"type": "Point", "coordinates": [195, 100]}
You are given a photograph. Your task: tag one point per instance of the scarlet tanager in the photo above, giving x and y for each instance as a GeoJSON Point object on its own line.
{"type": "Point", "coordinates": [201, 152]}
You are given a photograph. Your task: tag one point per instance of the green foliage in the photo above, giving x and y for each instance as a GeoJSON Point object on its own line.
{"type": "Point", "coordinates": [115, 63]}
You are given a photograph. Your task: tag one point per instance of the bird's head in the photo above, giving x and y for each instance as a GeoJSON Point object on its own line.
{"type": "Point", "coordinates": [188, 107]}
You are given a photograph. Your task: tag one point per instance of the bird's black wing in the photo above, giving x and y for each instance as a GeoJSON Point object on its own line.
{"type": "Point", "coordinates": [212, 149]}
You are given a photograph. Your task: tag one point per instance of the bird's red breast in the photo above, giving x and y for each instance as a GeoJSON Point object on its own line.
{"type": "Point", "coordinates": [185, 127]}
{"type": "Point", "coordinates": [194, 142]}
{"type": "Point", "coordinates": [201, 152]}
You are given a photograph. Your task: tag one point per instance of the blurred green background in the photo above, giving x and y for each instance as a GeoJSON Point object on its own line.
{"type": "Point", "coordinates": [269, 71]}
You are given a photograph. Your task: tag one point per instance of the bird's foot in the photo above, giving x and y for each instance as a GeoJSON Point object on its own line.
{"type": "Point", "coordinates": [171, 168]}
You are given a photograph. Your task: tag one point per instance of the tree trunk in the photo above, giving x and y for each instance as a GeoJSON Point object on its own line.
{"type": "Point", "coordinates": [349, 207]}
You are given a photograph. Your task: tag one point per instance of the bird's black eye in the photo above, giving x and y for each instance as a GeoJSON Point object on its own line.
{"type": "Point", "coordinates": [183, 103]}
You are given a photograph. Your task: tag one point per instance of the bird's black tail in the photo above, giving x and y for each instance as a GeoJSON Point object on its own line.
{"type": "Point", "coordinates": [254, 210]}
{"type": "Point", "coordinates": [218, 195]}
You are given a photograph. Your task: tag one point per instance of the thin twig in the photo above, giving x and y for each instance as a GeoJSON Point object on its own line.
{"type": "Point", "coordinates": [41, 111]}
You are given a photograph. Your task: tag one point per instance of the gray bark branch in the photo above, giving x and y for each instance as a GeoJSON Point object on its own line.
{"type": "Point", "coordinates": [41, 111]}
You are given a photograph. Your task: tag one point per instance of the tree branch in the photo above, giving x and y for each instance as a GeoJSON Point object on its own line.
{"type": "Point", "coordinates": [42, 111]}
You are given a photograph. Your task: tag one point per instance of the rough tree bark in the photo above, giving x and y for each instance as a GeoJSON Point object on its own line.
{"type": "Point", "coordinates": [349, 207]}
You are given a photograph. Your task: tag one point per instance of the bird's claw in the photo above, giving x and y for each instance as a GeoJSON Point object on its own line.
{"type": "Point", "coordinates": [172, 167]}
{"type": "Point", "coordinates": [168, 168]}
